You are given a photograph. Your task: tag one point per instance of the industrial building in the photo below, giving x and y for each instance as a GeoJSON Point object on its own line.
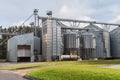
{"type": "Point", "coordinates": [90, 43]}
{"type": "Point", "coordinates": [64, 39]}
{"type": "Point", "coordinates": [60, 42]}
{"type": "Point", "coordinates": [25, 47]}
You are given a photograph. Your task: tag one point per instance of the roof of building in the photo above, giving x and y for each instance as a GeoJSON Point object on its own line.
{"type": "Point", "coordinates": [93, 27]}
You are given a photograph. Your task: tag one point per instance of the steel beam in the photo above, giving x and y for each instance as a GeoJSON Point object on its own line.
{"type": "Point", "coordinates": [73, 28]}
{"type": "Point", "coordinates": [81, 21]}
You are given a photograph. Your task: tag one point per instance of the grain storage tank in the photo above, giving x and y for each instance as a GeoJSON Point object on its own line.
{"type": "Point", "coordinates": [115, 42]}
{"type": "Point", "coordinates": [71, 43]}
{"type": "Point", "coordinates": [102, 41]}
{"type": "Point", "coordinates": [51, 40]}
{"type": "Point", "coordinates": [107, 43]}
{"type": "Point", "coordinates": [88, 45]}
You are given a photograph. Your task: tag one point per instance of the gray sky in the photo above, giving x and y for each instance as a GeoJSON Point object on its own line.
{"type": "Point", "coordinates": [13, 12]}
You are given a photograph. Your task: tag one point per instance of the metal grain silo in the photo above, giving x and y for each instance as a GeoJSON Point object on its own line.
{"type": "Point", "coordinates": [107, 43]}
{"type": "Point", "coordinates": [115, 42]}
{"type": "Point", "coordinates": [51, 40]}
{"type": "Point", "coordinates": [102, 41]}
{"type": "Point", "coordinates": [88, 45]}
{"type": "Point", "coordinates": [71, 43]}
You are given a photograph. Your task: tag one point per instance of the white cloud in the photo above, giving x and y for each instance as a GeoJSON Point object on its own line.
{"type": "Point", "coordinates": [73, 13]}
{"type": "Point", "coordinates": [77, 9]}
{"type": "Point", "coordinates": [116, 20]}
{"type": "Point", "coordinates": [115, 9]}
{"type": "Point", "coordinates": [67, 12]}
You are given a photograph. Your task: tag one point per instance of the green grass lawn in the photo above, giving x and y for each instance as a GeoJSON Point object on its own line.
{"type": "Point", "coordinates": [77, 70]}
{"type": "Point", "coordinates": [71, 70]}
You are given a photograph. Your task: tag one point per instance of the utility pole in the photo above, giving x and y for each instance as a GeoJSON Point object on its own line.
{"type": "Point", "coordinates": [35, 23]}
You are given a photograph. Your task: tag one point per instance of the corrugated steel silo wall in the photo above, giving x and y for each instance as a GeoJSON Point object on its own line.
{"type": "Point", "coordinates": [115, 43]}
{"type": "Point", "coordinates": [71, 43]}
{"type": "Point", "coordinates": [51, 39]}
{"type": "Point", "coordinates": [47, 40]}
{"type": "Point", "coordinates": [56, 37]}
{"type": "Point", "coordinates": [88, 47]}
{"type": "Point", "coordinates": [99, 44]}
{"type": "Point", "coordinates": [102, 41]}
{"type": "Point", "coordinates": [88, 40]}
{"type": "Point", "coordinates": [102, 44]}
{"type": "Point", "coordinates": [59, 41]}
{"type": "Point", "coordinates": [106, 36]}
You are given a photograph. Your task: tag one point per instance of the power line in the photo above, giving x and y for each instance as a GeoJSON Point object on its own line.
{"type": "Point", "coordinates": [26, 19]}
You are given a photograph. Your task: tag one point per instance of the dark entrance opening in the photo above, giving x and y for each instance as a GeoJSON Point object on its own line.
{"type": "Point", "coordinates": [23, 59]}
{"type": "Point", "coordinates": [24, 53]}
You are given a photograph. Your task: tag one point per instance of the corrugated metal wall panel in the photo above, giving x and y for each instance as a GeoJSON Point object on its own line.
{"type": "Point", "coordinates": [99, 45]}
{"type": "Point", "coordinates": [71, 43]}
{"type": "Point", "coordinates": [102, 41]}
{"type": "Point", "coordinates": [25, 39]}
{"type": "Point", "coordinates": [106, 36]}
{"type": "Point", "coordinates": [88, 47]}
{"type": "Point", "coordinates": [115, 43]}
{"type": "Point", "coordinates": [12, 50]}
{"type": "Point", "coordinates": [51, 40]}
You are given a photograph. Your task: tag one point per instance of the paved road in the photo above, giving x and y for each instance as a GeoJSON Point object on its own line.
{"type": "Point", "coordinates": [11, 75]}
{"type": "Point", "coordinates": [8, 75]}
